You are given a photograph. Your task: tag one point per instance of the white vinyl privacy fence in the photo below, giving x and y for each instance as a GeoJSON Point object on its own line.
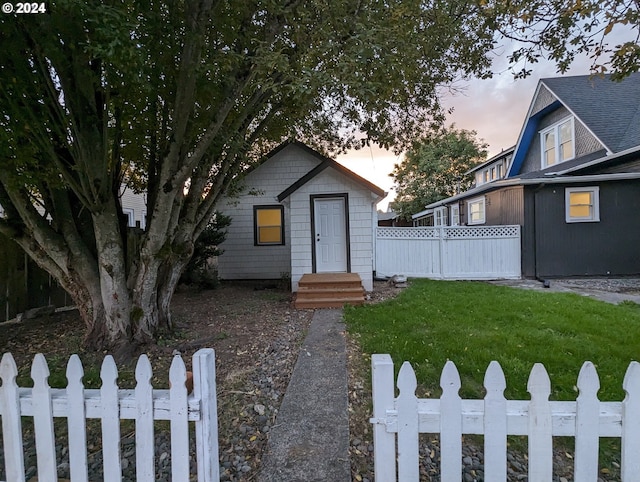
{"type": "Point", "coordinates": [587, 419]}
{"type": "Point", "coordinates": [450, 252]}
{"type": "Point", "coordinates": [111, 404]}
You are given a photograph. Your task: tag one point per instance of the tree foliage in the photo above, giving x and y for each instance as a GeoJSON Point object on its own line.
{"type": "Point", "coordinates": [180, 98]}
{"type": "Point", "coordinates": [435, 168]}
{"type": "Point", "coordinates": [205, 247]}
{"type": "Point", "coordinates": [608, 31]}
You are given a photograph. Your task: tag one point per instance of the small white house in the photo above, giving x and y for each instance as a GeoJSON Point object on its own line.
{"type": "Point", "coordinates": [300, 212]}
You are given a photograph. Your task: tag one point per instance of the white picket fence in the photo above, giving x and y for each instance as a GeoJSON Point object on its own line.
{"type": "Point", "coordinates": [449, 252]}
{"type": "Point", "coordinates": [587, 419]}
{"type": "Point", "coordinates": [110, 404]}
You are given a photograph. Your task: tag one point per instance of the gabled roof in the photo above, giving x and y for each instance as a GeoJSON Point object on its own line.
{"type": "Point", "coordinates": [588, 98]}
{"type": "Point", "coordinates": [324, 164]}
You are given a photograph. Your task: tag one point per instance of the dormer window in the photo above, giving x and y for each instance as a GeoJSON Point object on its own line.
{"type": "Point", "coordinates": [557, 143]}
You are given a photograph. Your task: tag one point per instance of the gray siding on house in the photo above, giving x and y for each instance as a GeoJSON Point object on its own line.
{"type": "Point", "coordinates": [504, 206]}
{"type": "Point", "coordinates": [605, 248]}
{"type": "Point", "coordinates": [528, 234]}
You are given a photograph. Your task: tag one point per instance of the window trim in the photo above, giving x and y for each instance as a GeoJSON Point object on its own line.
{"type": "Point", "coordinates": [257, 208]}
{"type": "Point", "coordinates": [477, 200]}
{"type": "Point", "coordinates": [131, 217]}
{"type": "Point", "coordinates": [455, 215]}
{"type": "Point", "coordinates": [555, 128]}
{"type": "Point", "coordinates": [440, 216]}
{"type": "Point", "coordinates": [595, 192]}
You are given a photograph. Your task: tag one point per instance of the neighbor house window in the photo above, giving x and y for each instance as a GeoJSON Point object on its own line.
{"type": "Point", "coordinates": [475, 210]}
{"type": "Point", "coordinates": [268, 223]}
{"type": "Point", "coordinates": [557, 143]}
{"type": "Point", "coordinates": [455, 215]}
{"type": "Point", "coordinates": [440, 216]}
{"type": "Point", "coordinates": [582, 204]}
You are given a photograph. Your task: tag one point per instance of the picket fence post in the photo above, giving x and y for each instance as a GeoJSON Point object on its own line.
{"type": "Point", "coordinates": [43, 421]}
{"type": "Point", "coordinates": [204, 386]}
{"type": "Point", "coordinates": [11, 421]}
{"type": "Point", "coordinates": [495, 423]}
{"type": "Point", "coordinates": [630, 458]}
{"type": "Point", "coordinates": [110, 421]}
{"type": "Point", "coordinates": [145, 433]}
{"type": "Point", "coordinates": [407, 405]}
{"type": "Point", "coordinates": [384, 457]}
{"type": "Point", "coordinates": [76, 421]}
{"type": "Point", "coordinates": [450, 423]}
{"type": "Point", "coordinates": [179, 420]}
{"type": "Point", "coordinates": [587, 432]}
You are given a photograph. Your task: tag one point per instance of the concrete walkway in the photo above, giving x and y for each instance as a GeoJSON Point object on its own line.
{"type": "Point", "coordinates": [310, 440]}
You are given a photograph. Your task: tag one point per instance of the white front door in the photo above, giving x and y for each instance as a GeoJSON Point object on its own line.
{"type": "Point", "coordinates": [330, 235]}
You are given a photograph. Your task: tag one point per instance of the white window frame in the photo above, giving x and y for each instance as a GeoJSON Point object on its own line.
{"type": "Point", "coordinates": [440, 216]}
{"type": "Point", "coordinates": [555, 128]}
{"type": "Point", "coordinates": [480, 201]}
{"type": "Point", "coordinates": [595, 210]}
{"type": "Point", "coordinates": [455, 215]}
{"type": "Point", "coordinates": [131, 217]}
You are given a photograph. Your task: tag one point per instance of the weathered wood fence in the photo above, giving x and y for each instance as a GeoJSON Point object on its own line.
{"type": "Point", "coordinates": [449, 252]}
{"type": "Point", "coordinates": [587, 419]}
{"type": "Point", "coordinates": [110, 404]}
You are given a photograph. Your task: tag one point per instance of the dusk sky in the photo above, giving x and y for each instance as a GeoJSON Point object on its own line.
{"type": "Point", "coordinates": [494, 108]}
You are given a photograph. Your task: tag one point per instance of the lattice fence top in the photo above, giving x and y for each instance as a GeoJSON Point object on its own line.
{"type": "Point", "coordinates": [481, 231]}
{"type": "Point", "coordinates": [409, 233]}
{"type": "Point", "coordinates": [457, 232]}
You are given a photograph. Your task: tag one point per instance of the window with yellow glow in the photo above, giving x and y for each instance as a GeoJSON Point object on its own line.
{"type": "Point", "coordinates": [582, 204]}
{"type": "Point", "coordinates": [268, 225]}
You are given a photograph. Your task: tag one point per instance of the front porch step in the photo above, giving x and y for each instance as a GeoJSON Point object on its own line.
{"type": "Point", "coordinates": [329, 290]}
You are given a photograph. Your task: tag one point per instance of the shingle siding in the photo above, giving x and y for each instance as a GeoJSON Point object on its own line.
{"type": "Point", "coordinates": [544, 99]}
{"type": "Point", "coordinates": [585, 142]}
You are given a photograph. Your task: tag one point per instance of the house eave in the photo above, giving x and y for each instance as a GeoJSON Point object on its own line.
{"type": "Point", "coordinates": [621, 176]}
{"type": "Point", "coordinates": [324, 164]}
{"type": "Point", "coordinates": [602, 160]}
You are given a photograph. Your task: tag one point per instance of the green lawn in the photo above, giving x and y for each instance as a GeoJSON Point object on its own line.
{"type": "Point", "coordinates": [473, 323]}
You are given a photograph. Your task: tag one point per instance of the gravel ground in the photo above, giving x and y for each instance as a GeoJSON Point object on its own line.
{"type": "Point", "coordinates": [256, 335]}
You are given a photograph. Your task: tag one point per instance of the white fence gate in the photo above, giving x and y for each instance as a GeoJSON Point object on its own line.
{"type": "Point", "coordinates": [450, 252]}
{"type": "Point", "coordinates": [143, 404]}
{"type": "Point", "coordinates": [587, 419]}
